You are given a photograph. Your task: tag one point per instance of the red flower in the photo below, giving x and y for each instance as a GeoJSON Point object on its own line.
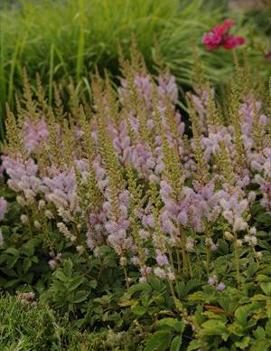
{"type": "Point", "coordinates": [211, 40]}
{"type": "Point", "coordinates": [223, 28]}
{"type": "Point", "coordinates": [268, 56]}
{"type": "Point", "coordinates": [232, 42]}
{"type": "Point", "coordinates": [219, 37]}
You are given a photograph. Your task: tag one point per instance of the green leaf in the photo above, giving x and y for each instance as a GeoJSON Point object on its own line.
{"type": "Point", "coordinates": [268, 328]}
{"type": "Point", "coordinates": [75, 283]}
{"type": "Point", "coordinates": [80, 296]}
{"type": "Point", "coordinates": [264, 218]}
{"type": "Point", "coordinates": [139, 310]}
{"type": "Point", "coordinates": [266, 288]}
{"type": "Point", "coordinates": [27, 263]}
{"type": "Point", "coordinates": [176, 343]}
{"type": "Point", "coordinates": [12, 283]}
{"type": "Point", "coordinates": [12, 251]}
{"type": "Point", "coordinates": [28, 248]}
{"type": "Point", "coordinates": [180, 289]}
{"type": "Point", "coordinates": [261, 345]}
{"type": "Point", "coordinates": [60, 276]}
{"type": "Point", "coordinates": [251, 269]}
{"type": "Point", "coordinates": [68, 268]}
{"type": "Point", "coordinates": [194, 345]}
{"type": "Point", "coordinates": [156, 283]}
{"type": "Point", "coordinates": [259, 333]}
{"type": "Point", "coordinates": [173, 323]}
{"type": "Point", "coordinates": [11, 261]}
{"type": "Point", "coordinates": [192, 284]}
{"type": "Point", "coordinates": [159, 341]}
{"type": "Point", "coordinates": [242, 312]}
{"type": "Point", "coordinates": [198, 296]}
{"type": "Point", "coordinates": [138, 288]}
{"type": "Point", "coordinates": [126, 302]}
{"type": "Point", "coordinates": [268, 307]}
{"type": "Point", "coordinates": [93, 284]}
{"type": "Point", "coordinates": [263, 278]}
{"type": "Point", "coordinates": [215, 327]}
{"type": "Point", "coordinates": [244, 343]}
{"type": "Point", "coordinates": [35, 259]}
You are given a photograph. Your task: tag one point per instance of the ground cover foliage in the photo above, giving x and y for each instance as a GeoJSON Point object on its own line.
{"type": "Point", "coordinates": [122, 228]}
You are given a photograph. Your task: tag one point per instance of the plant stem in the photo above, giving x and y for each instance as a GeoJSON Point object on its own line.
{"type": "Point", "coordinates": [126, 277]}
{"type": "Point", "coordinates": [236, 257]}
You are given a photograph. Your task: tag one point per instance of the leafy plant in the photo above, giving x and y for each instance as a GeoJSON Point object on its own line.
{"type": "Point", "coordinates": [139, 233]}
{"type": "Point", "coordinates": [167, 337]}
{"type": "Point", "coordinates": [68, 289]}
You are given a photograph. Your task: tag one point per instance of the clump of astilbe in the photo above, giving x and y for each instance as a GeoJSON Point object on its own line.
{"type": "Point", "coordinates": [120, 171]}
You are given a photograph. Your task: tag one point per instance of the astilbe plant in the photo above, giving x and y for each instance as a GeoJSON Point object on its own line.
{"type": "Point", "coordinates": [121, 171]}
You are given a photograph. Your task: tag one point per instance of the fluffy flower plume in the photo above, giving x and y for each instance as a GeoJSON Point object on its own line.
{"type": "Point", "coordinates": [34, 133]}
{"type": "Point", "coordinates": [130, 178]}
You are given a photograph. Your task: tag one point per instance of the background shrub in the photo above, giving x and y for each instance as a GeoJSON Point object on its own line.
{"type": "Point", "coordinates": [61, 39]}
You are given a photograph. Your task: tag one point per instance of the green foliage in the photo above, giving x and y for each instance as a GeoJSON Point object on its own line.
{"type": "Point", "coordinates": [234, 319]}
{"type": "Point", "coordinates": [36, 328]}
{"type": "Point", "coordinates": [63, 39]}
{"type": "Point", "coordinates": [67, 287]}
{"type": "Point", "coordinates": [22, 256]}
{"type": "Point", "coordinates": [167, 337]}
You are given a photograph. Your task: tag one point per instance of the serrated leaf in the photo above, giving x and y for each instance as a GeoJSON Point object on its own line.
{"type": "Point", "coordinates": [194, 345]}
{"type": "Point", "coordinates": [268, 328]}
{"type": "Point", "coordinates": [266, 288]}
{"type": "Point", "coordinates": [259, 333]}
{"type": "Point", "coordinates": [173, 323]}
{"type": "Point", "coordinates": [264, 218]}
{"type": "Point", "coordinates": [176, 343]}
{"type": "Point", "coordinates": [127, 302]}
{"type": "Point", "coordinates": [156, 283]}
{"type": "Point", "coordinates": [244, 343]}
{"type": "Point", "coordinates": [215, 327]}
{"type": "Point", "coordinates": [12, 251]}
{"type": "Point", "coordinates": [28, 249]}
{"type": "Point", "coordinates": [68, 267]}
{"type": "Point", "coordinates": [262, 278]}
{"type": "Point", "coordinates": [11, 261]}
{"type": "Point", "coordinates": [75, 283]}
{"type": "Point", "coordinates": [197, 296]}
{"type": "Point", "coordinates": [159, 341]}
{"type": "Point", "coordinates": [139, 310]}
{"type": "Point", "coordinates": [242, 312]}
{"type": "Point", "coordinates": [138, 287]}
{"type": "Point", "coordinates": [80, 296]}
{"type": "Point", "coordinates": [27, 263]}
{"type": "Point", "coordinates": [93, 284]}
{"type": "Point", "coordinates": [268, 307]}
{"type": "Point", "coordinates": [60, 276]}
{"type": "Point", "coordinates": [11, 283]}
{"type": "Point", "coordinates": [261, 345]}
